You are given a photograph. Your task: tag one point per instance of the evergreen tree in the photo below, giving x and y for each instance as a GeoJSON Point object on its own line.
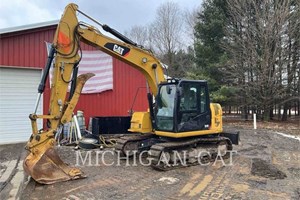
{"type": "Point", "coordinates": [210, 56]}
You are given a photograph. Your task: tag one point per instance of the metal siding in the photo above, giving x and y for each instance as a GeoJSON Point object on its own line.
{"type": "Point", "coordinates": [117, 102]}
{"type": "Point", "coordinates": [27, 49]}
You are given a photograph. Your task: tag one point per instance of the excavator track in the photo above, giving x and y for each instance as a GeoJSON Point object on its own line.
{"type": "Point", "coordinates": [129, 145]}
{"type": "Point", "coordinates": [163, 155]}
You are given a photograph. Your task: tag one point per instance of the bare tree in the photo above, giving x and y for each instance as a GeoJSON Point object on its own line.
{"type": "Point", "coordinates": [170, 36]}
{"type": "Point", "coordinates": [190, 18]}
{"type": "Point", "coordinates": [166, 31]}
{"type": "Point", "coordinates": [258, 44]}
{"type": "Point", "coordinates": [139, 34]}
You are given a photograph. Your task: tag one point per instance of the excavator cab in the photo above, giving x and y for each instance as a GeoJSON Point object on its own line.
{"type": "Point", "coordinates": [182, 106]}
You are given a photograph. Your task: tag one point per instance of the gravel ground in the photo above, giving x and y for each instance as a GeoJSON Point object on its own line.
{"type": "Point", "coordinates": [266, 166]}
{"type": "Point", "coordinates": [9, 156]}
{"type": "Point", "coordinates": [9, 152]}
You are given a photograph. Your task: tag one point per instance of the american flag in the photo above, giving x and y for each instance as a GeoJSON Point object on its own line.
{"type": "Point", "coordinates": [101, 65]}
{"type": "Point", "coordinates": [96, 62]}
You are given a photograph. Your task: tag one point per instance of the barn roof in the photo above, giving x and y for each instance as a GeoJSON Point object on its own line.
{"type": "Point", "coordinates": [28, 26]}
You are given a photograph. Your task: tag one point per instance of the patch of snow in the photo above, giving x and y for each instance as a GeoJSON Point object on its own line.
{"type": "Point", "coordinates": [168, 180]}
{"type": "Point", "coordinates": [288, 136]}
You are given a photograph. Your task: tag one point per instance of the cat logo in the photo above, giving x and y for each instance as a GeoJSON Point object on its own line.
{"type": "Point", "coordinates": [118, 49]}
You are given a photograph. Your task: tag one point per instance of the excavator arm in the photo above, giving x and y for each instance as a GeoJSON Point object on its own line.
{"type": "Point", "coordinates": [43, 162]}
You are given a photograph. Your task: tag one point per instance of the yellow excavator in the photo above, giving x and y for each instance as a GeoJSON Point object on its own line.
{"type": "Point", "coordinates": [180, 117]}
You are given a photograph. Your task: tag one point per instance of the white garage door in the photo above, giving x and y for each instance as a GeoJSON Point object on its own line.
{"type": "Point", "coordinates": [18, 91]}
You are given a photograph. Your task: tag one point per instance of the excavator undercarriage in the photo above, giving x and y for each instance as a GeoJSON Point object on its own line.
{"type": "Point", "coordinates": [167, 154]}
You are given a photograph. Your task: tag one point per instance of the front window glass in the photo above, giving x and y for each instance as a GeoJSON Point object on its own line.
{"type": "Point", "coordinates": [165, 107]}
{"type": "Point", "coordinates": [192, 107]}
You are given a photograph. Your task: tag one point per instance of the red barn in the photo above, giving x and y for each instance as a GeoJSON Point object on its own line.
{"type": "Point", "coordinates": [23, 56]}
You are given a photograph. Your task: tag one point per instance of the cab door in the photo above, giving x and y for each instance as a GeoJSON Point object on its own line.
{"type": "Point", "coordinates": [193, 111]}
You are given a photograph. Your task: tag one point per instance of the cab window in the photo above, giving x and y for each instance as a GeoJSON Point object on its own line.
{"type": "Point", "coordinates": [193, 106]}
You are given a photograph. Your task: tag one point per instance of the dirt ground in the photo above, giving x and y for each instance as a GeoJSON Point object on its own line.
{"type": "Point", "coordinates": [292, 126]}
{"type": "Point", "coordinates": [266, 166]}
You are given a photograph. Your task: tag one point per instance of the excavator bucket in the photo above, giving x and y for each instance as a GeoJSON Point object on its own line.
{"type": "Point", "coordinates": [50, 168]}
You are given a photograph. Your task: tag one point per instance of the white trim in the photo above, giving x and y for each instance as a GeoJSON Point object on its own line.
{"type": "Point", "coordinates": [20, 67]}
{"type": "Point", "coordinates": [28, 26]}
